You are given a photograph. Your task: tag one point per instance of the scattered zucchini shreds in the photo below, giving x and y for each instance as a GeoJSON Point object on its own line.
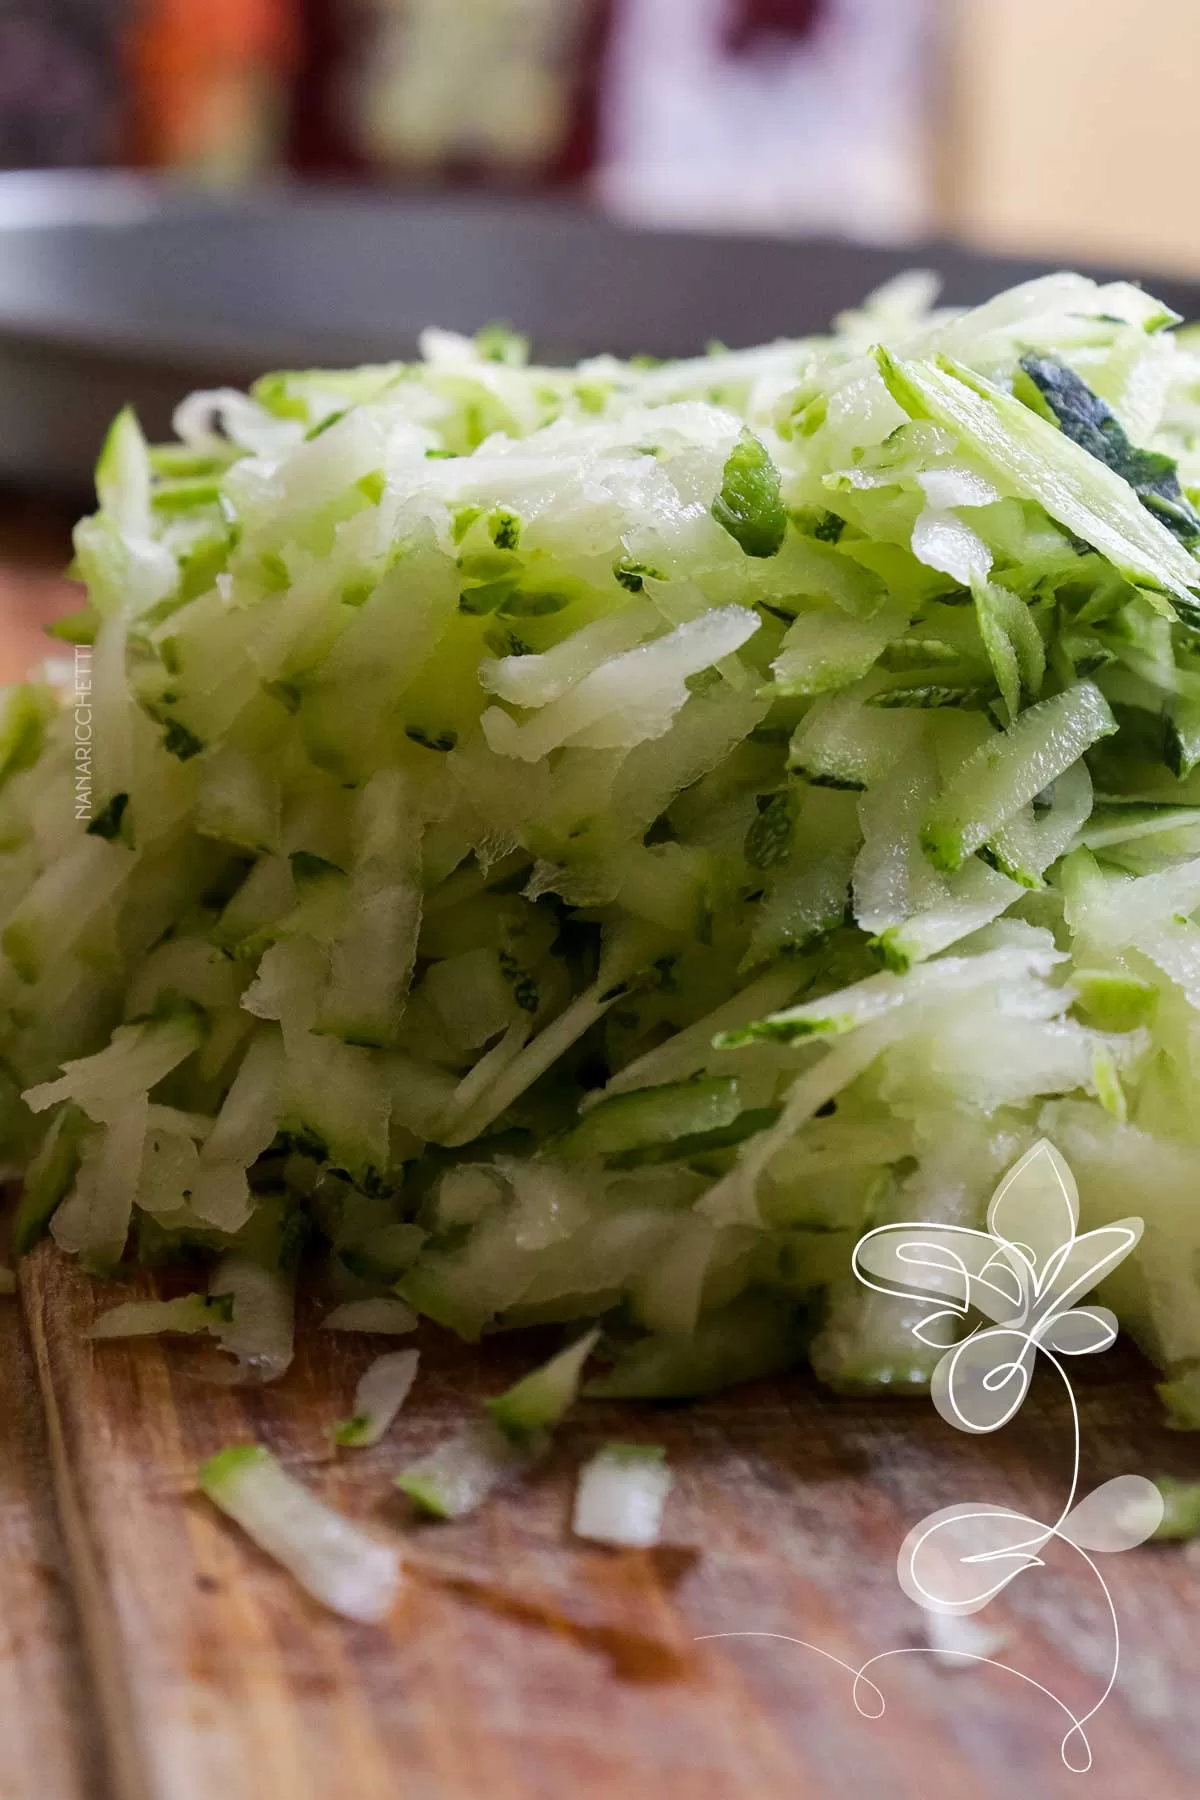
{"type": "Point", "coordinates": [261, 1313]}
{"type": "Point", "coordinates": [458, 1476]}
{"type": "Point", "coordinates": [379, 1396]}
{"type": "Point", "coordinates": [150, 1318]}
{"type": "Point", "coordinates": [621, 1495]}
{"type": "Point", "coordinates": [384, 1316]}
{"type": "Point", "coordinates": [538, 1401]}
{"type": "Point", "coordinates": [342, 1566]}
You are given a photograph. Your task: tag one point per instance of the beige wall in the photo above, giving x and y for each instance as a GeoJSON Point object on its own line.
{"type": "Point", "coordinates": [1076, 128]}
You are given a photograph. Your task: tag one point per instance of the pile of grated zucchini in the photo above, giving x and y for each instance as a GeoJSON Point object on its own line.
{"type": "Point", "coordinates": [586, 844]}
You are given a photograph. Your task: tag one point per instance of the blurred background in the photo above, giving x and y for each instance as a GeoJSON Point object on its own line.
{"type": "Point", "coordinates": [768, 113]}
{"type": "Point", "coordinates": [1059, 125]}
{"type": "Point", "coordinates": [245, 182]}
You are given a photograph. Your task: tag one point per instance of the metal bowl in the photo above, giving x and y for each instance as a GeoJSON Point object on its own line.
{"type": "Point", "coordinates": [118, 288]}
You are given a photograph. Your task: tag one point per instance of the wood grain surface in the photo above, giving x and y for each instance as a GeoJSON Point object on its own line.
{"type": "Point", "coordinates": [520, 1664]}
{"type": "Point", "coordinates": [49, 1745]}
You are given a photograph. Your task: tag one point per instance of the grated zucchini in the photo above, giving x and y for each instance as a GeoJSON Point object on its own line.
{"type": "Point", "coordinates": [576, 843]}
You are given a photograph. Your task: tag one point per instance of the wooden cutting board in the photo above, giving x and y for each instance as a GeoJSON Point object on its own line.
{"type": "Point", "coordinates": [520, 1664]}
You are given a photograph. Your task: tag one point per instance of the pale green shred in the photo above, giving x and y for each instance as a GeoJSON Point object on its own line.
{"type": "Point", "coordinates": [148, 1318]}
{"type": "Point", "coordinates": [340, 1564]}
{"type": "Point", "coordinates": [379, 1396]}
{"type": "Point", "coordinates": [621, 1495]}
{"type": "Point", "coordinates": [579, 846]}
{"type": "Point", "coordinates": [459, 1474]}
{"type": "Point", "coordinates": [538, 1401]}
{"type": "Point", "coordinates": [382, 1316]}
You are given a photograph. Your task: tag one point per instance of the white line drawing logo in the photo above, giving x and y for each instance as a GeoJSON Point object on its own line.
{"type": "Point", "coordinates": [1024, 1278]}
